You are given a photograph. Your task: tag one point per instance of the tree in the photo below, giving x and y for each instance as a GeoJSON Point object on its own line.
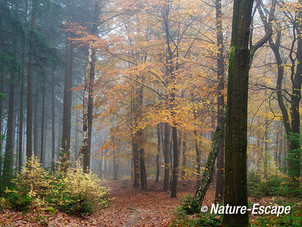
{"type": "Point", "coordinates": [220, 101]}
{"type": "Point", "coordinates": [30, 71]}
{"type": "Point", "coordinates": [65, 153]}
{"type": "Point", "coordinates": [88, 95]}
{"type": "Point", "coordinates": [291, 116]}
{"type": "Point", "coordinates": [235, 190]}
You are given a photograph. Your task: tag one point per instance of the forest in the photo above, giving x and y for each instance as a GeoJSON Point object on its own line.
{"type": "Point", "coordinates": [150, 112]}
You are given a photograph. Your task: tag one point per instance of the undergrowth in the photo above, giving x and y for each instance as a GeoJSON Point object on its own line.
{"type": "Point", "coordinates": [71, 191]}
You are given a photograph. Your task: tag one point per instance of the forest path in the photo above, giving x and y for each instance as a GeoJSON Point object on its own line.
{"type": "Point", "coordinates": [133, 207]}
{"type": "Point", "coordinates": [127, 207]}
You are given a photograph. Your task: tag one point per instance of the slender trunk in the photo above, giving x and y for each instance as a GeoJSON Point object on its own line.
{"type": "Point", "coordinates": [184, 155]}
{"type": "Point", "coordinates": [22, 93]}
{"type": "Point", "coordinates": [209, 168]}
{"type": "Point", "coordinates": [143, 172]}
{"type": "Point", "coordinates": [157, 155]}
{"type": "Point", "coordinates": [76, 148]}
{"type": "Point", "coordinates": [135, 149]}
{"type": "Point", "coordinates": [65, 153]}
{"type": "Point", "coordinates": [36, 119]}
{"type": "Point", "coordinates": [220, 102]}
{"type": "Point", "coordinates": [30, 71]}
{"type": "Point", "coordinates": [198, 160]}
{"type": "Point", "coordinates": [1, 135]}
{"type": "Point", "coordinates": [175, 163]}
{"type": "Point", "coordinates": [9, 155]}
{"type": "Point", "coordinates": [265, 158]}
{"type": "Point", "coordinates": [115, 166]}
{"type": "Point", "coordinates": [85, 152]}
{"type": "Point", "coordinates": [42, 121]}
{"type": "Point", "coordinates": [53, 137]}
{"type": "Point", "coordinates": [167, 157]}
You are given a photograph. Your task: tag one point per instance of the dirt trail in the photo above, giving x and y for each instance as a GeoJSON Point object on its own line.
{"type": "Point", "coordinates": [128, 207]}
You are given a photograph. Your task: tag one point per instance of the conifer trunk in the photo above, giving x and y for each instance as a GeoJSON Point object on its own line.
{"type": "Point", "coordinates": [30, 81]}
{"type": "Point", "coordinates": [65, 153]}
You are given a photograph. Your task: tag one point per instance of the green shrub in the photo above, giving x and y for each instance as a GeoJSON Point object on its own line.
{"type": "Point", "coordinates": [72, 192]}
{"type": "Point", "coordinates": [188, 205]}
{"type": "Point", "coordinates": [3, 203]}
{"type": "Point", "coordinates": [76, 182]}
{"type": "Point", "coordinates": [204, 219]}
{"type": "Point", "coordinates": [19, 202]}
{"type": "Point", "coordinates": [273, 185]}
{"type": "Point", "coordinates": [76, 205]}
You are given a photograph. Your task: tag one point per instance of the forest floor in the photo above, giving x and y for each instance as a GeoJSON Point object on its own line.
{"type": "Point", "coordinates": [127, 207]}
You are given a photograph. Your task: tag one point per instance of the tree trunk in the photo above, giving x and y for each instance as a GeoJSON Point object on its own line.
{"type": "Point", "coordinates": [265, 158]}
{"type": "Point", "coordinates": [88, 95]}
{"type": "Point", "coordinates": [1, 136]}
{"type": "Point", "coordinates": [158, 153]}
{"type": "Point", "coordinates": [294, 156]}
{"type": "Point", "coordinates": [143, 172]}
{"type": "Point", "coordinates": [235, 190]}
{"type": "Point", "coordinates": [115, 166]}
{"type": "Point", "coordinates": [184, 155]}
{"type": "Point", "coordinates": [30, 81]}
{"type": "Point", "coordinates": [65, 153]}
{"type": "Point", "coordinates": [198, 160]}
{"type": "Point", "coordinates": [175, 163]}
{"type": "Point", "coordinates": [36, 119]}
{"type": "Point", "coordinates": [220, 102]}
{"type": "Point", "coordinates": [43, 121]}
{"type": "Point", "coordinates": [53, 120]}
{"type": "Point", "coordinates": [9, 155]}
{"type": "Point", "coordinates": [22, 93]}
{"type": "Point", "coordinates": [209, 168]}
{"type": "Point", "coordinates": [136, 169]}
{"type": "Point", "coordinates": [167, 157]}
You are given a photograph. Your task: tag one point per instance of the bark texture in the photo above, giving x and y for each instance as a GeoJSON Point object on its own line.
{"type": "Point", "coordinates": [235, 184]}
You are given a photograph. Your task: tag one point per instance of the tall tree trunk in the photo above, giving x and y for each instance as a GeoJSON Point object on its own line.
{"type": "Point", "coordinates": [198, 160]}
{"type": "Point", "coordinates": [65, 153]}
{"type": "Point", "coordinates": [265, 152]}
{"type": "Point", "coordinates": [220, 102]}
{"type": "Point", "coordinates": [76, 143]}
{"type": "Point", "coordinates": [184, 155]}
{"type": "Point", "coordinates": [294, 156]}
{"type": "Point", "coordinates": [158, 153]}
{"type": "Point", "coordinates": [167, 157]}
{"type": "Point", "coordinates": [138, 140]}
{"type": "Point", "coordinates": [53, 135]}
{"type": "Point", "coordinates": [9, 155]}
{"type": "Point", "coordinates": [136, 163]}
{"type": "Point", "coordinates": [115, 166]}
{"type": "Point", "coordinates": [235, 190]}
{"type": "Point", "coordinates": [22, 92]}
{"type": "Point", "coordinates": [1, 96]}
{"type": "Point", "coordinates": [36, 119]}
{"type": "Point", "coordinates": [88, 94]}
{"type": "Point", "coordinates": [143, 172]}
{"type": "Point", "coordinates": [175, 163]}
{"type": "Point", "coordinates": [30, 71]}
{"type": "Point", "coordinates": [1, 136]}
{"type": "Point", "coordinates": [42, 121]}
